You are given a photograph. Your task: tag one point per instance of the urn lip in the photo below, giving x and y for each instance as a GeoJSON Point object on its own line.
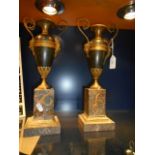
{"type": "Point", "coordinates": [101, 26]}
{"type": "Point", "coordinates": [46, 21]}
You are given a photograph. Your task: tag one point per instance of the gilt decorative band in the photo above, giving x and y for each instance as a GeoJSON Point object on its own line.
{"type": "Point", "coordinates": [44, 71]}
{"type": "Point", "coordinates": [96, 72]}
{"type": "Point", "coordinates": [46, 43]}
{"type": "Point", "coordinates": [97, 47]}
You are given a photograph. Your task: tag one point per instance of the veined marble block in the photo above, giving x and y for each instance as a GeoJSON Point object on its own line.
{"type": "Point", "coordinates": [94, 117]}
{"type": "Point", "coordinates": [43, 107]}
{"type": "Point", "coordinates": [43, 121]}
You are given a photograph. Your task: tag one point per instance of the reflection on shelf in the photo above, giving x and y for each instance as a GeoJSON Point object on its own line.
{"type": "Point", "coordinates": [94, 143]}
{"type": "Point", "coordinates": [45, 144]}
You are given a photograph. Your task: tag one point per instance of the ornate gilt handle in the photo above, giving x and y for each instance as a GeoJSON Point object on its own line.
{"type": "Point", "coordinates": [110, 44]}
{"type": "Point", "coordinates": [87, 25]}
{"type": "Point", "coordinates": [114, 36]}
{"type": "Point", "coordinates": [30, 25]}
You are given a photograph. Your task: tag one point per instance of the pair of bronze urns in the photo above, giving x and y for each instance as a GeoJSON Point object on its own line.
{"type": "Point", "coordinates": [45, 48]}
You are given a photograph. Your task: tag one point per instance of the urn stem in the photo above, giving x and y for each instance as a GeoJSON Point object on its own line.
{"type": "Point", "coordinates": [45, 28]}
{"type": "Point", "coordinates": [43, 84]}
{"type": "Point", "coordinates": [44, 71]}
{"type": "Point", "coordinates": [98, 32]}
{"type": "Point", "coordinates": [96, 72]}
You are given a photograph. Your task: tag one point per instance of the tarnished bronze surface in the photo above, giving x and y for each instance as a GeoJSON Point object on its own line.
{"type": "Point", "coordinates": [44, 71]}
{"type": "Point", "coordinates": [43, 104]}
{"type": "Point", "coordinates": [34, 127]}
{"type": "Point", "coordinates": [94, 117]}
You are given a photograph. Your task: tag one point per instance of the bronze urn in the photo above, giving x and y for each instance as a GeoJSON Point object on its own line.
{"type": "Point", "coordinates": [44, 48]}
{"type": "Point", "coordinates": [97, 51]}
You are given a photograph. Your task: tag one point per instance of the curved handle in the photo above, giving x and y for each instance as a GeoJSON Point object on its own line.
{"type": "Point", "coordinates": [114, 36]}
{"type": "Point", "coordinates": [57, 45]}
{"type": "Point", "coordinates": [62, 26]}
{"type": "Point", "coordinates": [110, 44]}
{"type": "Point", "coordinates": [29, 24]}
{"type": "Point", "coordinates": [84, 27]}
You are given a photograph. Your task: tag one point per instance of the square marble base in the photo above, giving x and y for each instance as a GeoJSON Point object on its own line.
{"type": "Point", "coordinates": [91, 124]}
{"type": "Point", "coordinates": [34, 127]}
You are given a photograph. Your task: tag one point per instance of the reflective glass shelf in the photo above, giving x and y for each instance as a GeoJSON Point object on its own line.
{"type": "Point", "coordinates": [73, 141]}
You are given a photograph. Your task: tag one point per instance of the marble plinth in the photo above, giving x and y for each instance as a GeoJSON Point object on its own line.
{"type": "Point", "coordinates": [95, 123]}
{"type": "Point", "coordinates": [94, 117]}
{"type": "Point", "coordinates": [43, 101]}
{"type": "Point", "coordinates": [34, 127]}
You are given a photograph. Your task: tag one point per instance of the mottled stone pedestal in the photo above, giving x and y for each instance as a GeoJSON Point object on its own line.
{"type": "Point", "coordinates": [34, 127]}
{"type": "Point", "coordinates": [43, 121]}
{"type": "Point", "coordinates": [96, 123]}
{"type": "Point", "coordinates": [94, 117]}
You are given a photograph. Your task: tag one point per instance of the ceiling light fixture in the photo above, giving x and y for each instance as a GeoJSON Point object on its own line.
{"type": "Point", "coordinates": [127, 12]}
{"type": "Point", "coordinates": [50, 7]}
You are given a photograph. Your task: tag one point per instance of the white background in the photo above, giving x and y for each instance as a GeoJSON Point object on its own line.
{"type": "Point", "coordinates": [145, 77]}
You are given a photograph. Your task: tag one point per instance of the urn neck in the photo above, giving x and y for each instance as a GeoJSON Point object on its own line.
{"type": "Point", "coordinates": [98, 33]}
{"type": "Point", "coordinates": [98, 29]}
{"type": "Point", "coordinates": [96, 72]}
{"type": "Point", "coordinates": [45, 28]}
{"type": "Point", "coordinates": [45, 25]}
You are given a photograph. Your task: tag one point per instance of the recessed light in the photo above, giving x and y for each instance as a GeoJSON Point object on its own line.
{"type": "Point", "coordinates": [50, 7]}
{"type": "Point", "coordinates": [127, 12]}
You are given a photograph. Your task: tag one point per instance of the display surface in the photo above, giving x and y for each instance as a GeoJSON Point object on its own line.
{"type": "Point", "coordinates": [73, 141]}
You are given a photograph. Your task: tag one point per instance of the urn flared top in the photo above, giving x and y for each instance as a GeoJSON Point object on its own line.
{"type": "Point", "coordinates": [98, 43]}
{"type": "Point", "coordinates": [44, 39]}
{"type": "Point", "coordinates": [97, 49]}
